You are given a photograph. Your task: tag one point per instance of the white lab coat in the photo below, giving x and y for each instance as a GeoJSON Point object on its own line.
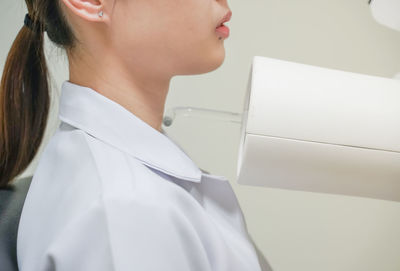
{"type": "Point", "coordinates": [112, 193]}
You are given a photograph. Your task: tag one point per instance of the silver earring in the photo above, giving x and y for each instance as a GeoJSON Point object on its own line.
{"type": "Point", "coordinates": [100, 13]}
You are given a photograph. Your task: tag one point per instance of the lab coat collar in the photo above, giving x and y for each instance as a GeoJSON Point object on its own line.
{"type": "Point", "coordinates": [101, 117]}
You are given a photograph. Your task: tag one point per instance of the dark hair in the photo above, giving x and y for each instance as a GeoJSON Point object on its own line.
{"type": "Point", "coordinates": [24, 89]}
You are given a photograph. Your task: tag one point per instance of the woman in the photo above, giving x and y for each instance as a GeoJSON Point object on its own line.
{"type": "Point", "coordinates": [111, 190]}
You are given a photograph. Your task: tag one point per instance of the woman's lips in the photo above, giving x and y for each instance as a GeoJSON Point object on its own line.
{"type": "Point", "coordinates": [223, 30]}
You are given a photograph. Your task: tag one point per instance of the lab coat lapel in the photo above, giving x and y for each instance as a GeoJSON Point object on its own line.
{"type": "Point", "coordinates": [101, 117]}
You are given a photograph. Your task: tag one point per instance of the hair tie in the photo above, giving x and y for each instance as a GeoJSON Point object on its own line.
{"type": "Point", "coordinates": [30, 24]}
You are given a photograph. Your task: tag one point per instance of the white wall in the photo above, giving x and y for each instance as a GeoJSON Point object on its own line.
{"type": "Point", "coordinates": [295, 230]}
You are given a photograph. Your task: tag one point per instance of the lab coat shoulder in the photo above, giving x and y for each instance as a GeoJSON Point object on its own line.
{"type": "Point", "coordinates": [75, 161]}
{"type": "Point", "coordinates": [115, 213]}
{"type": "Point", "coordinates": [66, 159]}
{"type": "Point", "coordinates": [63, 186]}
{"type": "Point", "coordinates": [127, 234]}
{"type": "Point", "coordinates": [68, 169]}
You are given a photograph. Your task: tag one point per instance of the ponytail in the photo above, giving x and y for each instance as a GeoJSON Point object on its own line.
{"type": "Point", "coordinates": [24, 89]}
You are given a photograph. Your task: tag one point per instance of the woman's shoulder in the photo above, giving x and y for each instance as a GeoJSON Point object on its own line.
{"type": "Point", "coordinates": [75, 159]}
{"type": "Point", "coordinates": [74, 170]}
{"type": "Point", "coordinates": [77, 177]}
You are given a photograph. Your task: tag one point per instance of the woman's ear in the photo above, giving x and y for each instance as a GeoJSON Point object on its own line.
{"type": "Point", "coordinates": [90, 10]}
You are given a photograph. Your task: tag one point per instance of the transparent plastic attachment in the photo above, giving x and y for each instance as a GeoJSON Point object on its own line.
{"type": "Point", "coordinates": [184, 111]}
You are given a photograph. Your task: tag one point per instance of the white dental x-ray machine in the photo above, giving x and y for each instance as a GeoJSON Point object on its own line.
{"type": "Point", "coordinates": [317, 129]}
